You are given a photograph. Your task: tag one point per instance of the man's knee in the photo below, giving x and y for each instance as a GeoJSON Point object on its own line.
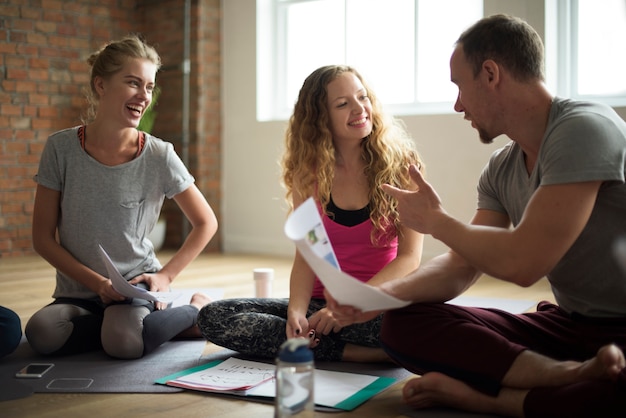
{"type": "Point", "coordinates": [391, 326]}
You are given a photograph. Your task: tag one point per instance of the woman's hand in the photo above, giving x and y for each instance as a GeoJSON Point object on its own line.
{"type": "Point", "coordinates": [297, 326]}
{"type": "Point", "coordinates": [157, 282]}
{"type": "Point", "coordinates": [323, 322]}
{"type": "Point", "coordinates": [107, 293]}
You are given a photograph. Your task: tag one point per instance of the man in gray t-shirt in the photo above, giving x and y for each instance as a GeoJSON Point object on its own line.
{"type": "Point", "coordinates": [552, 203]}
{"type": "Point", "coordinates": [583, 142]}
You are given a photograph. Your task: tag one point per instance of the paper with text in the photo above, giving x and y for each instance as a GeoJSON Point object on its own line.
{"type": "Point", "coordinates": [329, 387]}
{"type": "Point", "coordinates": [124, 288]}
{"type": "Point", "coordinates": [230, 375]}
{"type": "Point", "coordinates": [305, 228]}
{"type": "Point", "coordinates": [333, 389]}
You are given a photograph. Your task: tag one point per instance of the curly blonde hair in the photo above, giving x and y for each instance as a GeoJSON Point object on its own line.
{"type": "Point", "coordinates": [308, 162]}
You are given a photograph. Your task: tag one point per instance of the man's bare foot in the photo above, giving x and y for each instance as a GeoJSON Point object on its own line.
{"type": "Point", "coordinates": [607, 364]}
{"type": "Point", "coordinates": [530, 370]}
{"type": "Point", "coordinates": [438, 390]}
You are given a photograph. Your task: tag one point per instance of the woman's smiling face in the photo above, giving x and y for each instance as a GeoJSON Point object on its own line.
{"type": "Point", "coordinates": [349, 108]}
{"type": "Point", "coordinates": [128, 93]}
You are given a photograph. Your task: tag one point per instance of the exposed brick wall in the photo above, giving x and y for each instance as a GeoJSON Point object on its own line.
{"type": "Point", "coordinates": [43, 47]}
{"type": "Point", "coordinates": [206, 114]}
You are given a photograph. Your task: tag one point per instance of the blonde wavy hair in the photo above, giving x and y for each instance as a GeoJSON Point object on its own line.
{"type": "Point", "coordinates": [110, 59]}
{"type": "Point", "coordinates": [308, 163]}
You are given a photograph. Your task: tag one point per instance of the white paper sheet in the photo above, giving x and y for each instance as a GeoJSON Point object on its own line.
{"type": "Point", "coordinates": [305, 228]}
{"type": "Point", "coordinates": [340, 390]}
{"type": "Point", "coordinates": [515, 306]}
{"type": "Point", "coordinates": [124, 288]}
{"type": "Point", "coordinates": [213, 293]}
{"type": "Point", "coordinates": [232, 375]}
{"type": "Point", "coordinates": [330, 387]}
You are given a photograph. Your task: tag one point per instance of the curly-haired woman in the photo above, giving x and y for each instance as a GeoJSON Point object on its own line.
{"type": "Point", "coordinates": [340, 148]}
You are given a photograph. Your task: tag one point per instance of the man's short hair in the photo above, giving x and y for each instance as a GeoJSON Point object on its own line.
{"type": "Point", "coordinates": [509, 41]}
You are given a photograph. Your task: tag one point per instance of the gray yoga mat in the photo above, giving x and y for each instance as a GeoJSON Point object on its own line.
{"type": "Point", "coordinates": [96, 372]}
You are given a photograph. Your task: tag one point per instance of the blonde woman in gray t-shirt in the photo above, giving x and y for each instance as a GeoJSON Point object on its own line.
{"type": "Point", "coordinates": [103, 183]}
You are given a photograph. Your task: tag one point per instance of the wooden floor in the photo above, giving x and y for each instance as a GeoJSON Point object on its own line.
{"type": "Point", "coordinates": [26, 285]}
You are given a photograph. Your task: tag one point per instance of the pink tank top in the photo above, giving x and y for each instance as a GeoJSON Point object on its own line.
{"type": "Point", "coordinates": [355, 252]}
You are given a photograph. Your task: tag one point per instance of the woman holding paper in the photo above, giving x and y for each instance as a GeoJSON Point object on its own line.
{"type": "Point", "coordinates": [340, 148]}
{"type": "Point", "coordinates": [103, 183]}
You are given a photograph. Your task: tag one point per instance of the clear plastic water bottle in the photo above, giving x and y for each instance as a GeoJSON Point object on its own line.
{"type": "Point", "coordinates": [294, 380]}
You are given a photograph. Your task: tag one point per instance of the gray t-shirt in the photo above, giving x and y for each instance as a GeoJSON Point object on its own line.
{"type": "Point", "coordinates": [115, 207]}
{"type": "Point", "coordinates": [583, 142]}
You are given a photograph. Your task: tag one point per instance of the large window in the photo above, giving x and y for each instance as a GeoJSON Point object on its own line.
{"type": "Point", "coordinates": [402, 48]}
{"type": "Point", "coordinates": [586, 49]}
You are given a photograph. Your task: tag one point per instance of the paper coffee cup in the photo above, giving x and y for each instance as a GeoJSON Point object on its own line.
{"type": "Point", "coordinates": [263, 278]}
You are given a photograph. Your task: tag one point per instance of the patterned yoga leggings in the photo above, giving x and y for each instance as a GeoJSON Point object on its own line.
{"type": "Point", "coordinates": [256, 327]}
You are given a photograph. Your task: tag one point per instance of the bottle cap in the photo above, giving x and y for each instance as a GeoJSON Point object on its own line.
{"type": "Point", "coordinates": [295, 350]}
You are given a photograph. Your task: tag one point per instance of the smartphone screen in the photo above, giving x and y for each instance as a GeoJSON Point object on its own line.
{"type": "Point", "coordinates": [34, 370]}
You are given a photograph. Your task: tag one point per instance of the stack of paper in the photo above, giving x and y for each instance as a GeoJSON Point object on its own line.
{"type": "Point", "coordinates": [336, 390]}
{"type": "Point", "coordinates": [229, 376]}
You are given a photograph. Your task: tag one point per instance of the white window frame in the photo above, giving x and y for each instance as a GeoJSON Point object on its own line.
{"type": "Point", "coordinates": [562, 57]}
{"type": "Point", "coordinates": [561, 75]}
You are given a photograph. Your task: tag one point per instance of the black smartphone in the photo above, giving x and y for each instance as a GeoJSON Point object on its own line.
{"type": "Point", "coordinates": [34, 370]}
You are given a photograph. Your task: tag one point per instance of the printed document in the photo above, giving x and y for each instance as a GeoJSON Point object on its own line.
{"type": "Point", "coordinates": [333, 389]}
{"type": "Point", "coordinates": [305, 228]}
{"type": "Point", "coordinates": [122, 287]}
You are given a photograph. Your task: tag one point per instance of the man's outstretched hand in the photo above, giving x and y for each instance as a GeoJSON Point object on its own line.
{"type": "Point", "coordinates": [421, 209]}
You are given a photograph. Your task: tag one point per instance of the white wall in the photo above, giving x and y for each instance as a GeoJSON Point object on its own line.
{"type": "Point", "coordinates": [254, 209]}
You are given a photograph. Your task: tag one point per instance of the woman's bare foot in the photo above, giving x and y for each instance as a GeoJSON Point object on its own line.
{"type": "Point", "coordinates": [190, 333]}
{"type": "Point", "coordinates": [199, 300]}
